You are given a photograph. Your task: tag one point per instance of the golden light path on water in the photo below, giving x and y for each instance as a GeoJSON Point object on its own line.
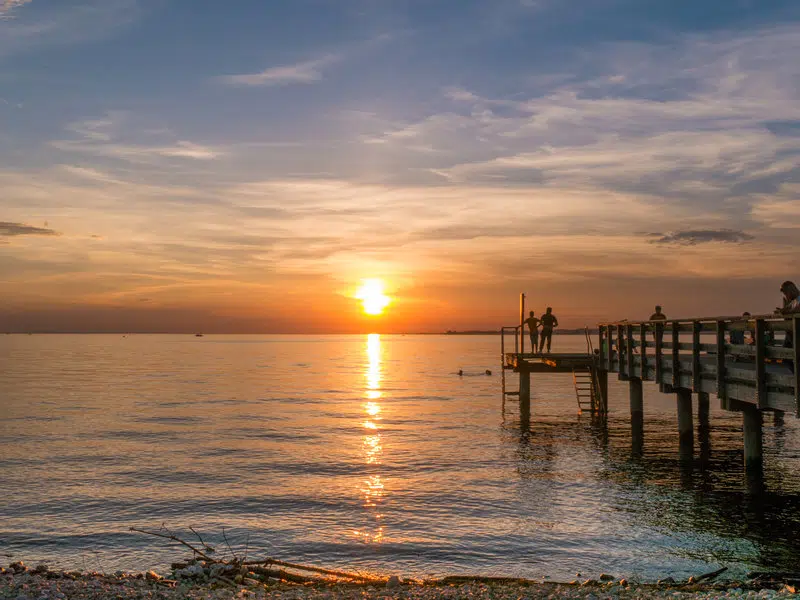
{"type": "Point", "coordinates": [372, 488]}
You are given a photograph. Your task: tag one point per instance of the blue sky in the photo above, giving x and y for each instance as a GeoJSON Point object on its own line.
{"type": "Point", "coordinates": [243, 165]}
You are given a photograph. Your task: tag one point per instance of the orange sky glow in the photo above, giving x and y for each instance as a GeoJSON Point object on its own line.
{"type": "Point", "coordinates": [253, 187]}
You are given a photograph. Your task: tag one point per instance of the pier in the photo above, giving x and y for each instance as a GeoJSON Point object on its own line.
{"type": "Point", "coordinates": [690, 358]}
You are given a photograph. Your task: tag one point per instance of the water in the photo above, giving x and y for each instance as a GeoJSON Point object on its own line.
{"type": "Point", "coordinates": [366, 453]}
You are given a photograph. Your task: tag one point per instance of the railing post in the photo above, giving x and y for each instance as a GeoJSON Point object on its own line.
{"type": "Point", "coordinates": [600, 336]}
{"type": "Point", "coordinates": [676, 357]}
{"type": "Point", "coordinates": [696, 379]}
{"type": "Point", "coordinates": [610, 349]}
{"type": "Point", "coordinates": [658, 332]}
{"type": "Point", "coordinates": [629, 348]}
{"type": "Point", "coordinates": [761, 363]}
{"type": "Point", "coordinates": [721, 388]}
{"type": "Point", "coordinates": [643, 350]}
{"type": "Point", "coordinates": [620, 353]}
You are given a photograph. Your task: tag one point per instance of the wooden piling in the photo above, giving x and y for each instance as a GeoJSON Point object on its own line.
{"type": "Point", "coordinates": [685, 423]}
{"type": "Point", "coordinates": [602, 384]}
{"type": "Point", "coordinates": [637, 415]}
{"type": "Point", "coordinates": [753, 439]}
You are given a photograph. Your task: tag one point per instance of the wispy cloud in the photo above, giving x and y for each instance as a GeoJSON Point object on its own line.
{"type": "Point", "coordinates": [306, 72]}
{"type": "Point", "coordinates": [9, 229]}
{"type": "Point", "coordinates": [703, 236]}
{"type": "Point", "coordinates": [99, 137]}
{"type": "Point", "coordinates": [65, 23]}
{"type": "Point", "coordinates": [6, 6]}
{"type": "Point", "coordinates": [780, 210]}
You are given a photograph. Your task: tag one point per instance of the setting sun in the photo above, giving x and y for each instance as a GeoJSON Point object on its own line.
{"type": "Point", "coordinates": [372, 297]}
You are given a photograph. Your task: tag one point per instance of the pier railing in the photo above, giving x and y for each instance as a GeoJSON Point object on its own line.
{"type": "Point", "coordinates": [753, 360]}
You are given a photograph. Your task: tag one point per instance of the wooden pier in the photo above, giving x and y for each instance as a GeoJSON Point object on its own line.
{"type": "Point", "coordinates": [750, 364]}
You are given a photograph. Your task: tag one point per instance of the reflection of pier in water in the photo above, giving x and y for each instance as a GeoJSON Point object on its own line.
{"type": "Point", "coordinates": [659, 490]}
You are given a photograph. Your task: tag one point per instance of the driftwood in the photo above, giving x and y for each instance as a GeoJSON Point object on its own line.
{"type": "Point", "coordinates": [297, 567]}
{"type": "Point", "coordinates": [258, 570]}
{"type": "Point", "coordinates": [711, 575]}
{"type": "Point", "coordinates": [175, 538]}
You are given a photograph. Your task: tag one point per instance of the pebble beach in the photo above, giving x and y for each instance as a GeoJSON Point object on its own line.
{"type": "Point", "coordinates": [21, 583]}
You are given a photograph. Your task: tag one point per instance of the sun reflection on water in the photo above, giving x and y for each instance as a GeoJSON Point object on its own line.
{"type": "Point", "coordinates": [371, 489]}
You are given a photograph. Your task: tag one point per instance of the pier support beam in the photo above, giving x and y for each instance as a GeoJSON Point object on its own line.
{"type": "Point", "coordinates": [602, 384]}
{"type": "Point", "coordinates": [753, 444]}
{"type": "Point", "coordinates": [637, 415]}
{"type": "Point", "coordinates": [685, 423]}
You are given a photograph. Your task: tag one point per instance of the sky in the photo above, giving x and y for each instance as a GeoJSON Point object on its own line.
{"type": "Point", "coordinates": [191, 165]}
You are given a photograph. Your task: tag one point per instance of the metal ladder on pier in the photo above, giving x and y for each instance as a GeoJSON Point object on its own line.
{"type": "Point", "coordinates": [586, 388]}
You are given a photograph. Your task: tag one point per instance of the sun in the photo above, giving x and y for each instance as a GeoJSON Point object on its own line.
{"type": "Point", "coordinates": [372, 297]}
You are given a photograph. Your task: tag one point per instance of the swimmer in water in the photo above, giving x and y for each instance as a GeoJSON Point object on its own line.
{"type": "Point", "coordinates": [488, 372]}
{"type": "Point", "coordinates": [460, 373]}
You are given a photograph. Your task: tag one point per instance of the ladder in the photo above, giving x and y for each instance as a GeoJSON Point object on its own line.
{"type": "Point", "coordinates": [586, 390]}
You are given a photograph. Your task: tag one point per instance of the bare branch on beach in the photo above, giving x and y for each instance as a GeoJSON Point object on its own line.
{"type": "Point", "coordinates": [175, 538]}
{"type": "Point", "coordinates": [236, 571]}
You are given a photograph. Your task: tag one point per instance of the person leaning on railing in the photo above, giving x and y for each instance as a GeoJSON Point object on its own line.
{"type": "Point", "coordinates": [791, 306]}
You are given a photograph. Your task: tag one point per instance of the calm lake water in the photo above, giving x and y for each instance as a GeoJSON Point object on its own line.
{"type": "Point", "coordinates": [367, 453]}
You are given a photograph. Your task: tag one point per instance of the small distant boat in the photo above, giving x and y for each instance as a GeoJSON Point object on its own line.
{"type": "Point", "coordinates": [198, 335]}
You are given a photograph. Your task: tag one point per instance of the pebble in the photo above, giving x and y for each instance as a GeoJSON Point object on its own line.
{"type": "Point", "coordinates": [393, 582]}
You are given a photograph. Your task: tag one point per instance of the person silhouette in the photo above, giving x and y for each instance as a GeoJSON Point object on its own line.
{"type": "Point", "coordinates": [658, 334]}
{"type": "Point", "coordinates": [737, 337]}
{"type": "Point", "coordinates": [533, 328]}
{"type": "Point", "coordinates": [791, 306]}
{"type": "Point", "coordinates": [548, 321]}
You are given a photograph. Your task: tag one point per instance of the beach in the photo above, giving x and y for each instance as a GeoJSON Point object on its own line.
{"type": "Point", "coordinates": [40, 584]}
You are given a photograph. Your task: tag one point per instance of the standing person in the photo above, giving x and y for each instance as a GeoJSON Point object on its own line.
{"type": "Point", "coordinates": [737, 337]}
{"type": "Point", "coordinates": [548, 322]}
{"type": "Point", "coordinates": [658, 334]}
{"type": "Point", "coordinates": [533, 328]}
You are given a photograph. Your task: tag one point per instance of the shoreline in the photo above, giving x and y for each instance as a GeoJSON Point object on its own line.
{"type": "Point", "coordinates": [19, 582]}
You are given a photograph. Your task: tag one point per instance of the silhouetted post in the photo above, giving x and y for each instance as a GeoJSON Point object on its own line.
{"type": "Point", "coordinates": [685, 423]}
{"type": "Point", "coordinates": [524, 392]}
{"type": "Point", "coordinates": [777, 418]}
{"type": "Point", "coordinates": [753, 444]}
{"type": "Point", "coordinates": [602, 384]}
{"type": "Point", "coordinates": [522, 324]}
{"type": "Point", "coordinates": [637, 415]}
